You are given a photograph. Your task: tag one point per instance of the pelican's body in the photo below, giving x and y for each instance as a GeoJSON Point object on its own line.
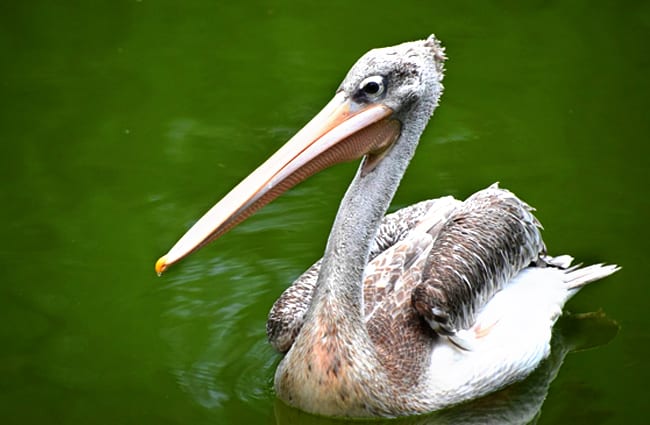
{"type": "Point", "coordinates": [433, 305]}
{"type": "Point", "coordinates": [407, 367]}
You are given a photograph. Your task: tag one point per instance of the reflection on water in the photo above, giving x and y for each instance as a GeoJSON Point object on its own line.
{"type": "Point", "coordinates": [518, 404]}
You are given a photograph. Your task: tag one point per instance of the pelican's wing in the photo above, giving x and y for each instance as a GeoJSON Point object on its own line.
{"type": "Point", "coordinates": [402, 343]}
{"type": "Point", "coordinates": [485, 242]}
{"type": "Point", "coordinates": [394, 326]}
{"type": "Point", "coordinates": [287, 314]}
{"type": "Point", "coordinates": [396, 267]}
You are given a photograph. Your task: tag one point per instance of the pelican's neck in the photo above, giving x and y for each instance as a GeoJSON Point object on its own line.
{"type": "Point", "coordinates": [339, 293]}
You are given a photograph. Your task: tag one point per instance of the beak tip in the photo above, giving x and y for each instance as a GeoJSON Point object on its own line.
{"type": "Point", "coordinates": [161, 265]}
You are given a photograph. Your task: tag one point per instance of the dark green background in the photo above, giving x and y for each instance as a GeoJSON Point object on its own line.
{"type": "Point", "coordinates": [122, 121]}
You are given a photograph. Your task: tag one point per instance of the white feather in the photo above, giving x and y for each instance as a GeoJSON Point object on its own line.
{"type": "Point", "coordinates": [511, 335]}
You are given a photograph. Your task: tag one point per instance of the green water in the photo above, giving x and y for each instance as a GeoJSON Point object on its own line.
{"type": "Point", "coordinates": [122, 121]}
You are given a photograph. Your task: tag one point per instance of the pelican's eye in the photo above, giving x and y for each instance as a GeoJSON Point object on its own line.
{"type": "Point", "coordinates": [372, 87]}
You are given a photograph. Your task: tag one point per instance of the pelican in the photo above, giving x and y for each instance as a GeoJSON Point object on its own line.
{"type": "Point", "coordinates": [433, 305]}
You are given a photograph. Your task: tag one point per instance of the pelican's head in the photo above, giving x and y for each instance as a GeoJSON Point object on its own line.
{"type": "Point", "coordinates": [402, 78]}
{"type": "Point", "coordinates": [387, 92]}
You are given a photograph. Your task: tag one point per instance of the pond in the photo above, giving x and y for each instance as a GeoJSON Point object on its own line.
{"type": "Point", "coordinates": [123, 121]}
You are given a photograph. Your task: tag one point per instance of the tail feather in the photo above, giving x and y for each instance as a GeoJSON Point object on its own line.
{"type": "Point", "coordinates": [581, 276]}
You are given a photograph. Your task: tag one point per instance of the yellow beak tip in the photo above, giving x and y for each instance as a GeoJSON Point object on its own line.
{"type": "Point", "coordinates": [161, 265]}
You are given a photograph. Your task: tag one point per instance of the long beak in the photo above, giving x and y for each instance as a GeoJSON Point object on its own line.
{"type": "Point", "coordinates": [342, 131]}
